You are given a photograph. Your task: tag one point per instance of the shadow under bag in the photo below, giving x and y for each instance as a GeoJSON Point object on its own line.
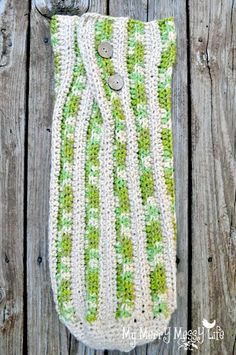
{"type": "Point", "coordinates": [112, 228]}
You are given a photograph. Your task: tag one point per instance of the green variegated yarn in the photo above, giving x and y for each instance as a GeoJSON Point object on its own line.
{"type": "Point", "coordinates": [167, 32]}
{"type": "Point", "coordinates": [125, 287]}
{"type": "Point", "coordinates": [92, 232]}
{"type": "Point", "coordinates": [55, 44]}
{"type": "Point", "coordinates": [139, 102]}
{"type": "Point", "coordinates": [112, 226]}
{"type": "Point", "coordinates": [65, 208]}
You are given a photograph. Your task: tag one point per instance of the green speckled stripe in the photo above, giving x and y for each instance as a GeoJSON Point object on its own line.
{"type": "Point", "coordinates": [136, 66]}
{"type": "Point", "coordinates": [103, 29]}
{"type": "Point", "coordinates": [168, 39]}
{"type": "Point", "coordinates": [92, 220]}
{"type": "Point", "coordinates": [159, 288]}
{"type": "Point", "coordinates": [56, 55]}
{"type": "Point", "coordinates": [124, 249]}
{"type": "Point", "coordinates": [65, 208]}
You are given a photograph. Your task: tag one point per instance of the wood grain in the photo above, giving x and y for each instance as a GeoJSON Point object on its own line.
{"type": "Point", "coordinates": [13, 74]}
{"type": "Point", "coordinates": [161, 9]}
{"type": "Point", "coordinates": [213, 97]}
{"type": "Point", "coordinates": [45, 333]}
{"type": "Point", "coordinates": [132, 8]}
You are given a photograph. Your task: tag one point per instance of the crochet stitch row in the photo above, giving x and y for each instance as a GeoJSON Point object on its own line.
{"type": "Point", "coordinates": [112, 201]}
{"type": "Point", "coordinates": [124, 279]}
{"type": "Point", "coordinates": [139, 103]}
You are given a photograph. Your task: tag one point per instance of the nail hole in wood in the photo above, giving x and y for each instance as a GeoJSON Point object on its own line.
{"type": "Point", "coordinates": [210, 259]}
{"type": "Point", "coordinates": [5, 44]}
{"type": "Point", "coordinates": [177, 260]}
{"type": "Point", "coordinates": [39, 260]}
{"type": "Point", "coordinates": [6, 259]}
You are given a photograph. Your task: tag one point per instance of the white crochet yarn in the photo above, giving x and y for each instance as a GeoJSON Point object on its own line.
{"type": "Point", "coordinates": [112, 213]}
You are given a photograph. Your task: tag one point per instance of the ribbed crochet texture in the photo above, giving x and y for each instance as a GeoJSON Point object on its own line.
{"type": "Point", "coordinates": [112, 230]}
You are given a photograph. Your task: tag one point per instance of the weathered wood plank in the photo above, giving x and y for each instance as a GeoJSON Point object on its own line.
{"type": "Point", "coordinates": [213, 97]}
{"type": "Point", "coordinates": [13, 83]}
{"type": "Point", "coordinates": [131, 8]}
{"type": "Point", "coordinates": [46, 334]}
{"type": "Point", "coordinates": [160, 9]}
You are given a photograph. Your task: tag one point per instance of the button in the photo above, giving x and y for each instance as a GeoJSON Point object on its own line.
{"type": "Point", "coordinates": [116, 82]}
{"type": "Point", "coordinates": [105, 50]}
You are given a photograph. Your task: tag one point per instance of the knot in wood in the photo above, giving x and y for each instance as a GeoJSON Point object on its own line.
{"type": "Point", "coordinates": [49, 8]}
{"type": "Point", "coordinates": [2, 294]}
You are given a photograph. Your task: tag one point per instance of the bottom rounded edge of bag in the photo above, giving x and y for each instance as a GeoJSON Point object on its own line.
{"type": "Point", "coordinates": [120, 336]}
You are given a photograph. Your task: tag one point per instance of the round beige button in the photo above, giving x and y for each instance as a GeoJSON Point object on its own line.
{"type": "Point", "coordinates": [105, 50]}
{"type": "Point", "coordinates": [116, 82]}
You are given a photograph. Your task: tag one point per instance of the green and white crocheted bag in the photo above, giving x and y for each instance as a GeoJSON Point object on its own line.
{"type": "Point", "coordinates": [112, 202]}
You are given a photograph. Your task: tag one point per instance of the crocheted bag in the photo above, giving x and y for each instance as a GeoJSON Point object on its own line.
{"type": "Point", "coordinates": [112, 202]}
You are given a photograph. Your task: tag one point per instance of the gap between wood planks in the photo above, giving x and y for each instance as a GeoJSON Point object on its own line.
{"type": "Point", "coordinates": [189, 317]}
{"type": "Point", "coordinates": [25, 311]}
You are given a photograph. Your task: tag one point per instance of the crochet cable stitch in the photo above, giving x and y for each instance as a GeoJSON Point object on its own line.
{"type": "Point", "coordinates": [112, 226]}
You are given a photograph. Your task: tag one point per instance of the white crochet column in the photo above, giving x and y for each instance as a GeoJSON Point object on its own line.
{"type": "Point", "coordinates": [107, 291]}
{"type": "Point", "coordinates": [78, 266]}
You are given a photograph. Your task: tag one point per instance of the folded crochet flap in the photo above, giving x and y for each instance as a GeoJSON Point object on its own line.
{"type": "Point", "coordinates": [112, 200]}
